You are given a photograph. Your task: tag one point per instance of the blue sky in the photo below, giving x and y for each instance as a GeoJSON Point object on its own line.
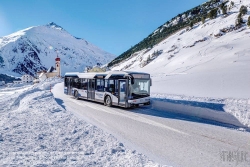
{"type": "Point", "coordinates": [113, 25]}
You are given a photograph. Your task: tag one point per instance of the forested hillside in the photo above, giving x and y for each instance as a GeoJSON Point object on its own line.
{"type": "Point", "coordinates": [8, 79]}
{"type": "Point", "coordinates": [186, 19]}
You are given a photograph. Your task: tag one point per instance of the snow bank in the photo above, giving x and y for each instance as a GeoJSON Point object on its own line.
{"type": "Point", "coordinates": [35, 130]}
{"type": "Point", "coordinates": [239, 108]}
{"type": "Point", "coordinates": [230, 111]}
{"type": "Point", "coordinates": [14, 87]}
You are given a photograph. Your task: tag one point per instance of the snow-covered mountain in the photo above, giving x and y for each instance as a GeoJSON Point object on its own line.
{"type": "Point", "coordinates": [208, 60]}
{"type": "Point", "coordinates": [35, 48]}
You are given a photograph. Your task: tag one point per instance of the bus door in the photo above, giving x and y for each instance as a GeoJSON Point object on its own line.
{"type": "Point", "coordinates": [91, 89]}
{"type": "Point", "coordinates": [70, 83]}
{"type": "Point", "coordinates": [122, 92]}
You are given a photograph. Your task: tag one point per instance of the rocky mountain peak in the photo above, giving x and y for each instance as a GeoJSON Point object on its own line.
{"type": "Point", "coordinates": [54, 25]}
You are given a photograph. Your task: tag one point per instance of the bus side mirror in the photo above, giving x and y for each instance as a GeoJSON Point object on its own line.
{"type": "Point", "coordinates": [151, 82]}
{"type": "Point", "coordinates": [132, 81]}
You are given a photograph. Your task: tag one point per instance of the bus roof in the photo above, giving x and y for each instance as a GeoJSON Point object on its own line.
{"type": "Point", "coordinates": [71, 74]}
{"type": "Point", "coordinates": [106, 75]}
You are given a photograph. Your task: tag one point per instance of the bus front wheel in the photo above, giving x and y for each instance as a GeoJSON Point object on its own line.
{"type": "Point", "coordinates": [76, 95]}
{"type": "Point", "coordinates": [108, 101]}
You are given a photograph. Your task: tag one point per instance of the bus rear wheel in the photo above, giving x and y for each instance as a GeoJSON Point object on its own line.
{"type": "Point", "coordinates": [108, 101]}
{"type": "Point", "coordinates": [76, 95]}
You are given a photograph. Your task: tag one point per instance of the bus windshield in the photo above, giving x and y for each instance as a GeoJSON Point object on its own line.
{"type": "Point", "coordinates": [140, 87]}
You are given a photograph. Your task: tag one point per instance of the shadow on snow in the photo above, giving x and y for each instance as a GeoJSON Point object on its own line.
{"type": "Point", "coordinates": [213, 106]}
{"type": "Point", "coordinates": [60, 102]}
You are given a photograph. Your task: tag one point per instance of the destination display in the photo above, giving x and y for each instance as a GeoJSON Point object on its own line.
{"type": "Point", "coordinates": [144, 76]}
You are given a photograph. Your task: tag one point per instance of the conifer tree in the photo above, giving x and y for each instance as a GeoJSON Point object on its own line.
{"type": "Point", "coordinates": [243, 10]}
{"type": "Point", "coordinates": [213, 13]}
{"type": "Point", "coordinates": [232, 3]}
{"type": "Point", "coordinates": [148, 59]}
{"type": "Point", "coordinates": [224, 10]}
{"type": "Point", "coordinates": [248, 21]}
{"type": "Point", "coordinates": [191, 24]}
{"type": "Point", "coordinates": [238, 21]}
{"type": "Point", "coordinates": [203, 19]}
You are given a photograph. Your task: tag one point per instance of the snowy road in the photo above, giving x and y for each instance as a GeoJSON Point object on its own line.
{"type": "Point", "coordinates": [164, 137]}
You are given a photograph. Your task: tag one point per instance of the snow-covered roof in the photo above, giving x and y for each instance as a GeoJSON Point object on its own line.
{"type": "Point", "coordinates": [51, 69]}
{"type": "Point", "coordinates": [42, 71]}
{"type": "Point", "coordinates": [41, 75]}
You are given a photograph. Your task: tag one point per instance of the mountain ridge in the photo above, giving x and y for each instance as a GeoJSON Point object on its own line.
{"type": "Point", "coordinates": [35, 48]}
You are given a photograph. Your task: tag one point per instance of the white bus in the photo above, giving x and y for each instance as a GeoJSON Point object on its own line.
{"type": "Point", "coordinates": [118, 88]}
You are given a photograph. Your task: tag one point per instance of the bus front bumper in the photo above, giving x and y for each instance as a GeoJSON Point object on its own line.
{"type": "Point", "coordinates": [145, 101]}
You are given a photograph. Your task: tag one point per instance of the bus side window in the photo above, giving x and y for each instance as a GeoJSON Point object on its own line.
{"type": "Point", "coordinates": [105, 85]}
{"type": "Point", "coordinates": [99, 85]}
{"type": "Point", "coordinates": [84, 84]}
{"type": "Point", "coordinates": [66, 82]}
{"type": "Point", "coordinates": [76, 83]}
{"type": "Point", "coordinates": [93, 85]}
{"type": "Point", "coordinates": [79, 83]}
{"type": "Point", "coordinates": [71, 82]}
{"type": "Point", "coordinates": [109, 86]}
{"type": "Point", "coordinates": [116, 85]}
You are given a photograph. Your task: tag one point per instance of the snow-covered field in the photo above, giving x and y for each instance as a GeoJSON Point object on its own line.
{"type": "Point", "coordinates": [203, 64]}
{"type": "Point", "coordinates": [36, 131]}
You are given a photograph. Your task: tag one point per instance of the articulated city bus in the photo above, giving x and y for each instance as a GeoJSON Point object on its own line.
{"type": "Point", "coordinates": [118, 88]}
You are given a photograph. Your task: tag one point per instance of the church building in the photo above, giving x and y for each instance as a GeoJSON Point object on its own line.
{"type": "Point", "coordinates": [52, 71]}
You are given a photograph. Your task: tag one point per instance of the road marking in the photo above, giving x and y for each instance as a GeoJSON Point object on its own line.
{"type": "Point", "coordinates": [130, 116]}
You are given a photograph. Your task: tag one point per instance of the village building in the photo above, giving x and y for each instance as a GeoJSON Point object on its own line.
{"type": "Point", "coordinates": [94, 69]}
{"type": "Point", "coordinates": [18, 82]}
{"type": "Point", "coordinates": [27, 78]}
{"type": "Point", "coordinates": [2, 83]}
{"type": "Point", "coordinates": [52, 72]}
{"type": "Point", "coordinates": [9, 84]}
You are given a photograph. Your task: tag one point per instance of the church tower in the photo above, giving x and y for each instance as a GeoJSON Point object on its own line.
{"type": "Point", "coordinates": [58, 67]}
